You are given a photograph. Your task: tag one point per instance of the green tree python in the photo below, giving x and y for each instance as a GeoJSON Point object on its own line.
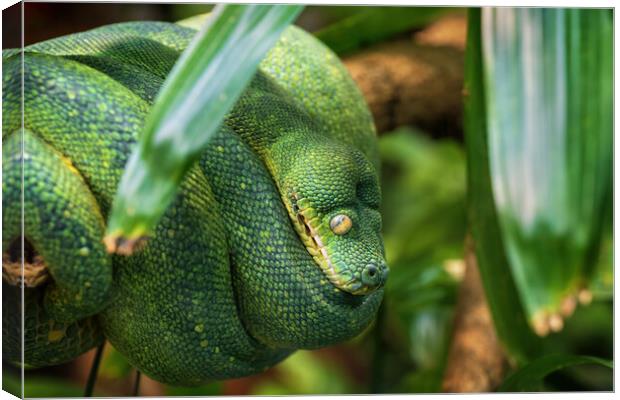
{"type": "Point", "coordinates": [271, 245]}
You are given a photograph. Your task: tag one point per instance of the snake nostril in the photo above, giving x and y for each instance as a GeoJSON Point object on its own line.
{"type": "Point", "coordinates": [370, 275]}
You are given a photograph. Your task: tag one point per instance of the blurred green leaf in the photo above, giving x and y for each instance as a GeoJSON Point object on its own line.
{"type": "Point", "coordinates": [548, 86]}
{"type": "Point", "coordinates": [305, 373]}
{"type": "Point", "coordinates": [430, 336]}
{"type": "Point", "coordinates": [423, 209]}
{"type": "Point", "coordinates": [211, 389]}
{"type": "Point", "coordinates": [585, 377]}
{"type": "Point", "coordinates": [502, 296]}
{"type": "Point", "coordinates": [589, 331]}
{"type": "Point", "coordinates": [423, 206]}
{"type": "Point", "coordinates": [602, 281]}
{"type": "Point", "coordinates": [50, 387]}
{"type": "Point", "coordinates": [11, 384]}
{"type": "Point", "coordinates": [114, 365]}
{"type": "Point", "coordinates": [203, 85]}
{"type": "Point", "coordinates": [37, 386]}
{"type": "Point", "coordinates": [183, 11]}
{"type": "Point", "coordinates": [422, 381]}
{"type": "Point", "coordinates": [529, 378]}
{"type": "Point", "coordinates": [374, 24]}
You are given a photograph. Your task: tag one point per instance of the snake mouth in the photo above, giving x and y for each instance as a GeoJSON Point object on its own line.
{"type": "Point", "coordinates": [306, 222]}
{"type": "Point", "coordinates": [35, 272]}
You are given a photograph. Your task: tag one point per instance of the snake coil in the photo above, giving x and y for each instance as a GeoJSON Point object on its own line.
{"type": "Point", "coordinates": [272, 244]}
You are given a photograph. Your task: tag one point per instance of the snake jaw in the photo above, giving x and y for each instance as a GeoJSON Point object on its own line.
{"type": "Point", "coordinates": [306, 221]}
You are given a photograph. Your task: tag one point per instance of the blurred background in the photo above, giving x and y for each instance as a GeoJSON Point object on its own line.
{"type": "Point", "coordinates": [409, 64]}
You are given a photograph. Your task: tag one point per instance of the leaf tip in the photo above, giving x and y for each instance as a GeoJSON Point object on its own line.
{"type": "Point", "coordinates": [585, 297]}
{"type": "Point", "coordinates": [117, 244]}
{"type": "Point", "coordinates": [540, 324]}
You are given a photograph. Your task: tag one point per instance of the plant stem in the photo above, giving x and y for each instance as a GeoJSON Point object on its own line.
{"type": "Point", "coordinates": [92, 376]}
{"type": "Point", "coordinates": [136, 384]}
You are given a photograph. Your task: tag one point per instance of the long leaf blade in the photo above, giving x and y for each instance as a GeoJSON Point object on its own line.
{"type": "Point", "coordinates": [547, 75]}
{"type": "Point", "coordinates": [502, 296]}
{"type": "Point", "coordinates": [203, 85]}
{"type": "Point", "coordinates": [373, 24]}
{"type": "Point", "coordinates": [529, 378]}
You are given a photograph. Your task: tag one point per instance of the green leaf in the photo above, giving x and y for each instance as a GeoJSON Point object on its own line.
{"type": "Point", "coordinates": [529, 378]}
{"type": "Point", "coordinates": [305, 373]}
{"type": "Point", "coordinates": [114, 365]}
{"type": "Point", "coordinates": [423, 205]}
{"type": "Point", "coordinates": [211, 389]}
{"type": "Point", "coordinates": [204, 84]}
{"type": "Point", "coordinates": [424, 225]}
{"type": "Point", "coordinates": [548, 78]}
{"type": "Point", "coordinates": [40, 386]}
{"type": "Point", "coordinates": [502, 296]}
{"type": "Point", "coordinates": [374, 24]}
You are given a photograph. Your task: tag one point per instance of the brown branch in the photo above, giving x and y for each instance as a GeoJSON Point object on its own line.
{"type": "Point", "coordinates": [476, 361]}
{"type": "Point", "coordinates": [415, 82]}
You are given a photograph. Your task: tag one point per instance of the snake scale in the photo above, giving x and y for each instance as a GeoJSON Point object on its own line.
{"type": "Point", "coordinates": [273, 241]}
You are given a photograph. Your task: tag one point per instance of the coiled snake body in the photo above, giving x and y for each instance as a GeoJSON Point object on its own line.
{"type": "Point", "coordinates": [272, 244]}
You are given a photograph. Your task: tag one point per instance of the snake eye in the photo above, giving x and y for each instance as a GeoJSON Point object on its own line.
{"type": "Point", "coordinates": [340, 224]}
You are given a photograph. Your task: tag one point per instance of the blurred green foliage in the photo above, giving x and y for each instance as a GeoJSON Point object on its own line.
{"type": "Point", "coordinates": [423, 184]}
{"type": "Point", "coordinates": [210, 389]}
{"type": "Point", "coordinates": [530, 377]}
{"type": "Point", "coordinates": [113, 364]}
{"type": "Point", "coordinates": [182, 11]}
{"type": "Point", "coordinates": [423, 208]}
{"type": "Point", "coordinates": [41, 386]}
{"type": "Point", "coordinates": [369, 25]}
{"type": "Point", "coordinates": [303, 373]}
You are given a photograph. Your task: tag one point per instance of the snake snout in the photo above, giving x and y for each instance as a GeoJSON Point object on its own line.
{"type": "Point", "coordinates": [372, 277]}
{"type": "Point", "coordinates": [374, 274]}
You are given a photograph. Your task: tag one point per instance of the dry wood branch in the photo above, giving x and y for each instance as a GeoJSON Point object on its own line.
{"type": "Point", "coordinates": [409, 83]}
{"type": "Point", "coordinates": [476, 361]}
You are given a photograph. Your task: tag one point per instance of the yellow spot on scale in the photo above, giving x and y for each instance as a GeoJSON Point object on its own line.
{"type": "Point", "coordinates": [84, 251]}
{"type": "Point", "coordinates": [204, 343]}
{"type": "Point", "coordinates": [71, 95]}
{"type": "Point", "coordinates": [69, 165]}
{"type": "Point", "coordinates": [55, 336]}
{"type": "Point", "coordinates": [242, 185]}
{"type": "Point", "coordinates": [199, 328]}
{"type": "Point", "coordinates": [220, 149]}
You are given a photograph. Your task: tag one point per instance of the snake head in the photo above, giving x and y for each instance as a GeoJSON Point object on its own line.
{"type": "Point", "coordinates": [332, 196]}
